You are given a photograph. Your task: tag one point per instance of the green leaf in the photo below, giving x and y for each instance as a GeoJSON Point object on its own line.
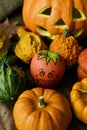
{"type": "Point", "coordinates": [41, 56]}
{"type": "Point", "coordinates": [11, 82]}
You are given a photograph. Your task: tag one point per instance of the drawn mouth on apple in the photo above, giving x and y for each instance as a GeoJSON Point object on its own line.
{"type": "Point", "coordinates": [47, 82]}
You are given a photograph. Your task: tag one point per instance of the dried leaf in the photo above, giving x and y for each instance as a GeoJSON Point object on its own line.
{"type": "Point", "coordinates": [9, 28]}
{"type": "Point", "coordinates": [6, 118]}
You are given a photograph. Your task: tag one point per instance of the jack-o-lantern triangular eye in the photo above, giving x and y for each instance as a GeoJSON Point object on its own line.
{"type": "Point", "coordinates": [77, 15]}
{"type": "Point", "coordinates": [60, 24]}
{"type": "Point", "coordinates": [45, 12]}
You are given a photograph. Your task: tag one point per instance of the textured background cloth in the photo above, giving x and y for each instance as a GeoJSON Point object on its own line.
{"type": "Point", "coordinates": [8, 6]}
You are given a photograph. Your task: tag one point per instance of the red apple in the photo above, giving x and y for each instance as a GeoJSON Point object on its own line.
{"type": "Point", "coordinates": [47, 68]}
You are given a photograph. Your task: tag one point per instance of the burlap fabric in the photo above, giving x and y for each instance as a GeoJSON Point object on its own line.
{"type": "Point", "coordinates": [8, 6]}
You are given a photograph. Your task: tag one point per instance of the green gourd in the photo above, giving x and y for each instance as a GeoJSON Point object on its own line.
{"type": "Point", "coordinates": [12, 81]}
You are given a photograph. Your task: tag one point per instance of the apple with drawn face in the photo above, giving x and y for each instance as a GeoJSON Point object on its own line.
{"type": "Point", "coordinates": [47, 68]}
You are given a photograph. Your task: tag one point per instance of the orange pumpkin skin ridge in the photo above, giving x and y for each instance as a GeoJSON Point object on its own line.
{"type": "Point", "coordinates": [80, 73]}
{"type": "Point", "coordinates": [82, 60]}
{"type": "Point", "coordinates": [56, 115]}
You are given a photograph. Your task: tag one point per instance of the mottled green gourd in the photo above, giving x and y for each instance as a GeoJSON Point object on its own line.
{"type": "Point", "coordinates": [11, 82]}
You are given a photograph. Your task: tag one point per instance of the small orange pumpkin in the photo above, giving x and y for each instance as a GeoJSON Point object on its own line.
{"type": "Point", "coordinates": [80, 73]}
{"type": "Point", "coordinates": [78, 96]}
{"type": "Point", "coordinates": [50, 17]}
{"type": "Point", "coordinates": [82, 65]}
{"type": "Point", "coordinates": [50, 112]}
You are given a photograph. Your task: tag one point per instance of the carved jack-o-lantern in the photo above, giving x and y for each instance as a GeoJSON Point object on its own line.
{"type": "Point", "coordinates": [50, 17]}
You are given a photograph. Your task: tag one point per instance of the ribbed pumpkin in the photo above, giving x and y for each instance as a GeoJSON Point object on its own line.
{"type": "Point", "coordinates": [42, 109]}
{"type": "Point", "coordinates": [80, 73]}
{"type": "Point", "coordinates": [50, 17]}
{"type": "Point", "coordinates": [82, 65]}
{"type": "Point", "coordinates": [78, 97]}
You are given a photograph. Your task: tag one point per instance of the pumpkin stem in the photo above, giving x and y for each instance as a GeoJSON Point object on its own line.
{"type": "Point", "coordinates": [41, 103]}
{"type": "Point", "coordinates": [83, 90]}
{"type": "Point", "coordinates": [66, 33]}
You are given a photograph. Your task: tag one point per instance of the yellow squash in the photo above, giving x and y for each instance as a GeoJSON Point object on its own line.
{"type": "Point", "coordinates": [29, 43]}
{"type": "Point", "coordinates": [78, 97]}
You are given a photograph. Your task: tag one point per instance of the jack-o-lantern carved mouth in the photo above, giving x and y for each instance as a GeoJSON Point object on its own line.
{"type": "Point", "coordinates": [77, 15]}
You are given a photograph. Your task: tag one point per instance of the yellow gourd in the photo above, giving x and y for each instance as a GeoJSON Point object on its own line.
{"type": "Point", "coordinates": [29, 43]}
{"type": "Point", "coordinates": [67, 47]}
{"type": "Point", "coordinates": [78, 97]}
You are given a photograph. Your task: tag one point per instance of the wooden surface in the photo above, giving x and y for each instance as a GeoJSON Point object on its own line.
{"type": "Point", "coordinates": [67, 82]}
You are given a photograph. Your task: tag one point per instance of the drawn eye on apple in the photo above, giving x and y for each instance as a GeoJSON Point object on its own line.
{"type": "Point", "coordinates": [47, 76]}
{"type": "Point", "coordinates": [42, 73]}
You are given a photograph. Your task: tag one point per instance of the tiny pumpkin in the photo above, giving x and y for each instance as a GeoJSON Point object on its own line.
{"type": "Point", "coordinates": [42, 109]}
{"type": "Point", "coordinates": [78, 96]}
{"type": "Point", "coordinates": [47, 68]}
{"type": "Point", "coordinates": [82, 65]}
{"type": "Point", "coordinates": [80, 73]}
{"type": "Point", "coordinates": [48, 19]}
{"type": "Point", "coordinates": [6, 117]}
{"type": "Point", "coordinates": [67, 46]}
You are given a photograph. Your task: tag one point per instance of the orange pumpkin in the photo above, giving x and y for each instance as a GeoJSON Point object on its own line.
{"type": "Point", "coordinates": [50, 17]}
{"type": "Point", "coordinates": [80, 73]}
{"type": "Point", "coordinates": [78, 96]}
{"type": "Point", "coordinates": [42, 109]}
{"type": "Point", "coordinates": [82, 65]}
